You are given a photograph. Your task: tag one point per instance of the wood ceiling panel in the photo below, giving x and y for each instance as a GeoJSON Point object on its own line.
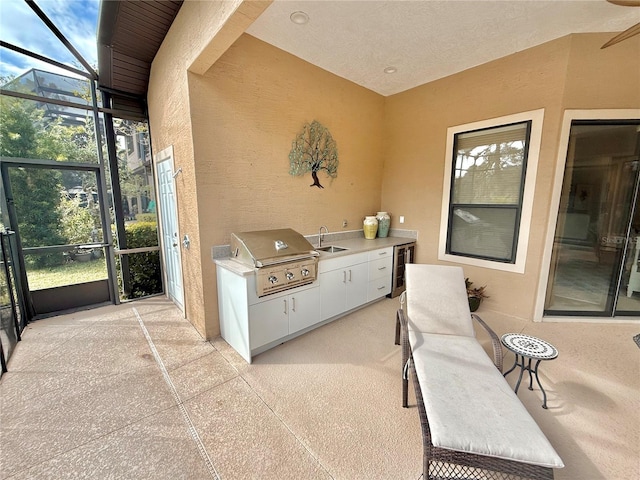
{"type": "Point", "coordinates": [128, 63]}
{"type": "Point", "coordinates": [168, 8]}
{"type": "Point", "coordinates": [130, 23]}
{"type": "Point", "coordinates": [130, 33]}
{"type": "Point", "coordinates": [132, 74]}
{"type": "Point", "coordinates": [154, 11]}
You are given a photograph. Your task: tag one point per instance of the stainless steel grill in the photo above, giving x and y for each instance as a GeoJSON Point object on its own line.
{"type": "Point", "coordinates": [282, 258]}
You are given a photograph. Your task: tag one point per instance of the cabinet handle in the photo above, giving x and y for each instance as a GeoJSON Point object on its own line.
{"type": "Point", "coordinates": [344, 276]}
{"type": "Point", "coordinates": [382, 287]}
{"type": "Point", "coordinates": [349, 274]}
{"type": "Point", "coordinates": [382, 253]}
{"type": "Point", "coordinates": [381, 268]}
{"type": "Point", "coordinates": [293, 304]}
{"type": "Point", "coordinates": [285, 306]}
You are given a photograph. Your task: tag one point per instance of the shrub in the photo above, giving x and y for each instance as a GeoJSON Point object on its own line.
{"type": "Point", "coordinates": [146, 217]}
{"type": "Point", "coordinates": [142, 234]}
{"type": "Point", "coordinates": [36, 195]}
{"type": "Point", "coordinates": [78, 224]}
{"type": "Point", "coordinates": [144, 268]}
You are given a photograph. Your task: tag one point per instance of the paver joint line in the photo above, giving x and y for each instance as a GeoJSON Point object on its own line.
{"type": "Point", "coordinates": [185, 415]}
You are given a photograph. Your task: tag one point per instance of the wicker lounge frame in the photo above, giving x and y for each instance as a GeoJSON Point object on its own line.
{"type": "Point", "coordinates": [440, 463]}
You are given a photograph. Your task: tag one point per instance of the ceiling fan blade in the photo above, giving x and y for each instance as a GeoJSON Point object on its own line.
{"type": "Point", "coordinates": [625, 3]}
{"type": "Point", "coordinates": [628, 33]}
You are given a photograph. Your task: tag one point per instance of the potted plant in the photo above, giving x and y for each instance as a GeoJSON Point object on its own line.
{"type": "Point", "coordinates": [475, 295]}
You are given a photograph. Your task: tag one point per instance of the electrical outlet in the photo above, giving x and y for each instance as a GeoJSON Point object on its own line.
{"type": "Point", "coordinates": [344, 223]}
{"type": "Point", "coordinates": [401, 218]}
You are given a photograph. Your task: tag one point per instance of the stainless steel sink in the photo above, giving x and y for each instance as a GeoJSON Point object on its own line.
{"type": "Point", "coordinates": [331, 249]}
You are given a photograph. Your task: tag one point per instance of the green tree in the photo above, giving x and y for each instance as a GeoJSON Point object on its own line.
{"type": "Point", "coordinates": [80, 222]}
{"type": "Point", "coordinates": [26, 133]}
{"type": "Point", "coordinates": [36, 192]}
{"type": "Point", "coordinates": [17, 131]}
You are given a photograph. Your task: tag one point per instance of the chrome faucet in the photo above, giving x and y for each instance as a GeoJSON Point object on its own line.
{"type": "Point", "coordinates": [326, 230]}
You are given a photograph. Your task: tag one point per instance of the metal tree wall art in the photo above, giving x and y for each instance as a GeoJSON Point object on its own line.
{"type": "Point", "coordinates": [313, 150]}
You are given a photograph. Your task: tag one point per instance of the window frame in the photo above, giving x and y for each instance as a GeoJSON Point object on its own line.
{"type": "Point", "coordinates": [530, 167]}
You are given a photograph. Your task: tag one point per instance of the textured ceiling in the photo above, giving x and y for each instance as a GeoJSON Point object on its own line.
{"type": "Point", "coordinates": [426, 39]}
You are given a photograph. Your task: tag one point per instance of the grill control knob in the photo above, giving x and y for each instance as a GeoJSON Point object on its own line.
{"type": "Point", "coordinates": [273, 279]}
{"type": "Point", "coordinates": [305, 272]}
{"type": "Point", "coordinates": [289, 275]}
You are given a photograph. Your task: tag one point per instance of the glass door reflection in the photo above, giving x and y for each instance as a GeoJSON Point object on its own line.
{"type": "Point", "coordinates": [594, 262]}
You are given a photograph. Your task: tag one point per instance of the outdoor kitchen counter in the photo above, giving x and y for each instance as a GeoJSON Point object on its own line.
{"type": "Point", "coordinates": [352, 245]}
{"type": "Point", "coordinates": [358, 245]}
{"type": "Point", "coordinates": [235, 267]}
{"type": "Point", "coordinates": [252, 321]}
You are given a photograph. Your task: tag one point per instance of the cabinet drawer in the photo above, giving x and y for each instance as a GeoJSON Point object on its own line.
{"type": "Point", "coordinates": [329, 264]}
{"type": "Point", "coordinates": [380, 268]}
{"type": "Point", "coordinates": [381, 253]}
{"type": "Point", "coordinates": [378, 288]}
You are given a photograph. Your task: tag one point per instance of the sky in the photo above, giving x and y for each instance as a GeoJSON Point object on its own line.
{"type": "Point", "coordinates": [20, 26]}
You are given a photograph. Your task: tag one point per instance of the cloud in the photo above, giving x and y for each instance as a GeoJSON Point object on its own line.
{"type": "Point", "coordinates": [78, 22]}
{"type": "Point", "coordinates": [76, 19]}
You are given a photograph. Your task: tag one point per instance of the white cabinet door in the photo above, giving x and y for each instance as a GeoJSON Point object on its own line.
{"type": "Point", "coordinates": [357, 279]}
{"type": "Point", "coordinates": [343, 289]}
{"type": "Point", "coordinates": [274, 319]}
{"type": "Point", "coordinates": [268, 321]}
{"type": "Point", "coordinates": [332, 293]}
{"type": "Point", "coordinates": [304, 309]}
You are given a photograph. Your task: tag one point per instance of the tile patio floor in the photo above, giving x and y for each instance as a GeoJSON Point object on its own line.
{"type": "Point", "coordinates": [133, 392]}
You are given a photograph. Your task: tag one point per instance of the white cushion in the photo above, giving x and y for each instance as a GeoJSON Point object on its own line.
{"type": "Point", "coordinates": [437, 300]}
{"type": "Point", "coordinates": [470, 406]}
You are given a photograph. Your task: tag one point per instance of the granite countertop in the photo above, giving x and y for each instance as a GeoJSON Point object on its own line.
{"type": "Point", "coordinates": [235, 267]}
{"type": "Point", "coordinates": [357, 244]}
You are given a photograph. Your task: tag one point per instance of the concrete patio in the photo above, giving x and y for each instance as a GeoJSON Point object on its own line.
{"type": "Point", "coordinates": [133, 391]}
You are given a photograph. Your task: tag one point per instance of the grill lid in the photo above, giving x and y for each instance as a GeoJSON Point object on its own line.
{"type": "Point", "coordinates": [269, 247]}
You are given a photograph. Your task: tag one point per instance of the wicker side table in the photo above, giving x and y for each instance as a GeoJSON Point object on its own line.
{"type": "Point", "coordinates": [526, 349]}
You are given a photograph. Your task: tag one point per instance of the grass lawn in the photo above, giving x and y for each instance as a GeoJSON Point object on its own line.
{"type": "Point", "coordinates": [67, 274]}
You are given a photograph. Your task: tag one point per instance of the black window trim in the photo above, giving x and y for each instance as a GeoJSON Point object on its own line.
{"type": "Point", "coordinates": [518, 207]}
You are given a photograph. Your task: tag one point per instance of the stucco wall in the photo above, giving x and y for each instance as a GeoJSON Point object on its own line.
{"type": "Point", "coordinates": [597, 78]}
{"type": "Point", "coordinates": [246, 111]}
{"type": "Point", "coordinates": [232, 130]}
{"type": "Point", "coordinates": [571, 72]}
{"type": "Point", "coordinates": [191, 43]}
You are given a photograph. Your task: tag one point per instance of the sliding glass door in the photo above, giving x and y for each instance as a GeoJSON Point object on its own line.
{"type": "Point", "coordinates": [594, 269]}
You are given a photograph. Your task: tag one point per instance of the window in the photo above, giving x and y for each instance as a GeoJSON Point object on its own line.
{"type": "Point", "coordinates": [486, 192]}
{"type": "Point", "coordinates": [489, 187]}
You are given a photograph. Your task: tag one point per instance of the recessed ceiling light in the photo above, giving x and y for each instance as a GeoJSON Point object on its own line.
{"type": "Point", "coordinates": [299, 18]}
{"type": "Point", "coordinates": [390, 70]}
